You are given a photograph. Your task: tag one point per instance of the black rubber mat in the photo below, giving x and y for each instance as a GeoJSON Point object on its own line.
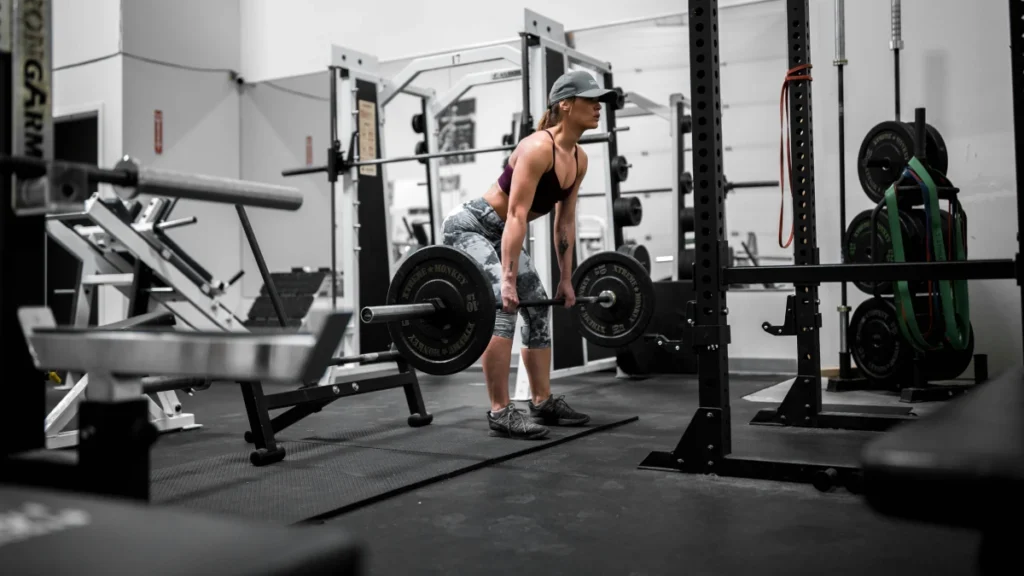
{"type": "Point", "coordinates": [461, 432]}
{"type": "Point", "coordinates": [346, 469]}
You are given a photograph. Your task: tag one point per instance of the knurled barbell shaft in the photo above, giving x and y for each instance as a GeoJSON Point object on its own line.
{"type": "Point", "coordinates": [398, 312]}
{"type": "Point", "coordinates": [344, 165]}
{"type": "Point", "coordinates": [604, 298]}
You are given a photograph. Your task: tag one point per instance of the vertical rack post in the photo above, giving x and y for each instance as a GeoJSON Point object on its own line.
{"type": "Point", "coordinates": [613, 150]}
{"type": "Point", "coordinates": [430, 185]}
{"type": "Point", "coordinates": [26, 123]}
{"type": "Point", "coordinates": [707, 440]}
{"type": "Point", "coordinates": [1017, 61]}
{"type": "Point", "coordinates": [332, 177]}
{"type": "Point", "coordinates": [805, 243]}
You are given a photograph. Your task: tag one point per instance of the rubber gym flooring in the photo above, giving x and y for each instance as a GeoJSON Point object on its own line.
{"type": "Point", "coordinates": [576, 507]}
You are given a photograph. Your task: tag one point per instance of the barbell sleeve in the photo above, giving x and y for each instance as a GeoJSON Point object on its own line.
{"type": "Point", "coordinates": [753, 184]}
{"type": "Point", "coordinates": [154, 384]}
{"type": "Point", "coordinates": [304, 170]}
{"type": "Point", "coordinates": [396, 312]}
{"type": "Point", "coordinates": [169, 224]}
{"type": "Point", "coordinates": [370, 358]}
{"type": "Point", "coordinates": [171, 184]}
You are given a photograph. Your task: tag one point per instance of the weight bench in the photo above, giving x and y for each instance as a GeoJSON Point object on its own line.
{"type": "Point", "coordinates": [49, 532]}
{"type": "Point", "coordinates": [960, 466]}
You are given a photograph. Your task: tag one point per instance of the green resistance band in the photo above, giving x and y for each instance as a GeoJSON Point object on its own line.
{"type": "Point", "coordinates": [953, 295]}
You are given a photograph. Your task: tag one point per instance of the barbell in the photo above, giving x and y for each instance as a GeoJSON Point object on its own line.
{"type": "Point", "coordinates": [441, 308]}
{"type": "Point", "coordinates": [421, 155]}
{"type": "Point", "coordinates": [399, 312]}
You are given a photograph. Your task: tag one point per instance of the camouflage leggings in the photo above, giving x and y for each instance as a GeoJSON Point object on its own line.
{"type": "Point", "coordinates": [476, 229]}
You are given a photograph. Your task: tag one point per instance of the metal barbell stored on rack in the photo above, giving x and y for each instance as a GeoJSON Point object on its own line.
{"type": "Point", "coordinates": [73, 180]}
{"type": "Point", "coordinates": [345, 163]}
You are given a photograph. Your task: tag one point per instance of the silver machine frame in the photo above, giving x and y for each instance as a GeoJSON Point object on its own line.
{"type": "Point", "coordinates": [551, 35]}
{"type": "Point", "coordinates": [639, 106]}
{"type": "Point", "coordinates": [101, 249]}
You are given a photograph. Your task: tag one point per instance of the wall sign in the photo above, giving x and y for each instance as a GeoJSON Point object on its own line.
{"type": "Point", "coordinates": [367, 136]}
{"type": "Point", "coordinates": [158, 131]}
{"type": "Point", "coordinates": [457, 131]}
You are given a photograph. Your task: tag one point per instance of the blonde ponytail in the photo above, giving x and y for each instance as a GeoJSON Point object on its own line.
{"type": "Point", "coordinates": [546, 120]}
{"type": "Point", "coordinates": [551, 117]}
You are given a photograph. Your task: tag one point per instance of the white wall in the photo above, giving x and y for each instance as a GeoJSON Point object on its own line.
{"type": "Point", "coordinates": [956, 63]}
{"type": "Point", "coordinates": [277, 117]}
{"type": "Point", "coordinates": [94, 86]}
{"type": "Point", "coordinates": [200, 111]}
{"type": "Point", "coordinates": [196, 33]}
{"type": "Point", "coordinates": [286, 37]}
{"type": "Point", "coordinates": [85, 31]}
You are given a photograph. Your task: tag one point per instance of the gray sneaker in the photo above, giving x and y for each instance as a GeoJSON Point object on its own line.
{"type": "Point", "coordinates": [513, 423]}
{"type": "Point", "coordinates": [555, 411]}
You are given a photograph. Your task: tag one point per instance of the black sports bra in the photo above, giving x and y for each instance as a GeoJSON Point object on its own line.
{"type": "Point", "coordinates": [549, 189]}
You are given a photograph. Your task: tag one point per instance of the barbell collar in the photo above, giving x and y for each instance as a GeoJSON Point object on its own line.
{"type": "Point", "coordinates": [179, 223]}
{"type": "Point", "coordinates": [752, 184]}
{"type": "Point", "coordinates": [304, 170]}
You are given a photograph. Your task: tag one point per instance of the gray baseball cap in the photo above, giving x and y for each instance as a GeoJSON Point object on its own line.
{"type": "Point", "coordinates": [578, 83]}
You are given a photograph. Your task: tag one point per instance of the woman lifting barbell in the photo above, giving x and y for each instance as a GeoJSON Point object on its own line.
{"type": "Point", "coordinates": [543, 173]}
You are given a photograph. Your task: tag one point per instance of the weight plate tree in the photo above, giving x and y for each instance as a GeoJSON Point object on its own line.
{"type": "Point", "coordinates": [887, 149]}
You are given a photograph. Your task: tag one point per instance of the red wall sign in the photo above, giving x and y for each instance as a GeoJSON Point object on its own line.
{"type": "Point", "coordinates": [309, 150]}
{"type": "Point", "coordinates": [158, 131]}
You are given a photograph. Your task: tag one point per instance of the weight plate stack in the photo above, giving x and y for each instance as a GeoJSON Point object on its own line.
{"type": "Point", "coordinates": [886, 151]}
{"type": "Point", "coordinates": [627, 211]}
{"type": "Point", "coordinates": [637, 252]}
{"type": "Point", "coordinates": [947, 231]}
{"type": "Point", "coordinates": [858, 244]}
{"type": "Point", "coordinates": [885, 357]}
{"type": "Point", "coordinates": [877, 346]}
{"type": "Point", "coordinates": [636, 359]}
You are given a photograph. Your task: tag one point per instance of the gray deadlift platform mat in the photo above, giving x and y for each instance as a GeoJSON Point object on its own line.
{"type": "Point", "coordinates": [340, 470]}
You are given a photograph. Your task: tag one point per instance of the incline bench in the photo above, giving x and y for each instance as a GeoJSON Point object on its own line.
{"type": "Point", "coordinates": [44, 532]}
{"type": "Point", "coordinates": [961, 466]}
